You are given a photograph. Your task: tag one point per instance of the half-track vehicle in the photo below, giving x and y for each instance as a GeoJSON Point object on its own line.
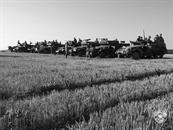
{"type": "Point", "coordinates": [78, 51]}
{"type": "Point", "coordinates": [106, 49]}
{"type": "Point", "coordinates": [143, 49]}
{"type": "Point", "coordinates": [61, 50]}
{"type": "Point", "coordinates": [102, 51]}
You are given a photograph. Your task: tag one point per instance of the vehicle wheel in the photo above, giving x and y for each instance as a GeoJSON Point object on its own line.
{"type": "Point", "coordinates": [155, 56]}
{"type": "Point", "coordinates": [161, 56]}
{"type": "Point", "coordinates": [102, 55]}
{"type": "Point", "coordinates": [135, 55]}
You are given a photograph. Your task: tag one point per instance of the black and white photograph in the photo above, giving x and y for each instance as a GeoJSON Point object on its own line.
{"type": "Point", "coordinates": [86, 64]}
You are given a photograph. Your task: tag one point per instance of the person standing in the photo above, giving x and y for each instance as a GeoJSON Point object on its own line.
{"type": "Point", "coordinates": [161, 38]}
{"type": "Point", "coordinates": [88, 51]}
{"type": "Point", "coordinates": [156, 39]}
{"type": "Point", "coordinates": [66, 49]}
{"type": "Point", "coordinates": [149, 41]}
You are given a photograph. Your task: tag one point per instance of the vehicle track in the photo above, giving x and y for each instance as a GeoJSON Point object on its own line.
{"type": "Point", "coordinates": [45, 90]}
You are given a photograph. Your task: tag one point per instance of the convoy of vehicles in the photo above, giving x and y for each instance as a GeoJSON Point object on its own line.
{"type": "Point", "coordinates": [103, 48]}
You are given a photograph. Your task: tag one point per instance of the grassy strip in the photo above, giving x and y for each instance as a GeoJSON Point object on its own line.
{"type": "Point", "coordinates": [72, 85]}
{"type": "Point", "coordinates": [138, 115]}
{"type": "Point", "coordinates": [61, 108]}
{"type": "Point", "coordinates": [28, 76]}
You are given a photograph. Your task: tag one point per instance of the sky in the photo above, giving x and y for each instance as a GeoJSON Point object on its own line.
{"type": "Point", "coordinates": [38, 20]}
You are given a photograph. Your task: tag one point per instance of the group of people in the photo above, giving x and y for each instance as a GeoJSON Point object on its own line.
{"type": "Point", "coordinates": [157, 39]}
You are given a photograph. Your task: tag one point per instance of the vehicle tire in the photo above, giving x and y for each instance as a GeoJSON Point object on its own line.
{"type": "Point", "coordinates": [161, 56]}
{"type": "Point", "coordinates": [135, 55]}
{"type": "Point", "coordinates": [155, 56]}
{"type": "Point", "coordinates": [102, 55]}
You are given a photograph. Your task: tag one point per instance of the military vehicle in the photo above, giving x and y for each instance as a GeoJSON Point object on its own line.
{"type": "Point", "coordinates": [21, 47]}
{"type": "Point", "coordinates": [102, 51]}
{"type": "Point", "coordinates": [106, 49]}
{"type": "Point", "coordinates": [12, 48]}
{"type": "Point", "coordinates": [48, 47]}
{"type": "Point", "coordinates": [39, 47]}
{"type": "Point", "coordinates": [78, 51]}
{"type": "Point", "coordinates": [143, 49]}
{"type": "Point", "coordinates": [60, 50]}
{"type": "Point", "coordinates": [80, 48]}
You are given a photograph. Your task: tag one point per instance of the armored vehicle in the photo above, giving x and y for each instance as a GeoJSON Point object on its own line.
{"type": "Point", "coordinates": [60, 50]}
{"type": "Point", "coordinates": [13, 48]}
{"type": "Point", "coordinates": [24, 47]}
{"type": "Point", "coordinates": [106, 50]}
{"type": "Point", "coordinates": [143, 49]}
{"type": "Point", "coordinates": [78, 51]}
{"type": "Point", "coordinates": [102, 51]}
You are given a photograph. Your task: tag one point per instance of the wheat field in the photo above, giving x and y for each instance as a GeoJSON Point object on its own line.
{"type": "Point", "coordinates": [49, 92]}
